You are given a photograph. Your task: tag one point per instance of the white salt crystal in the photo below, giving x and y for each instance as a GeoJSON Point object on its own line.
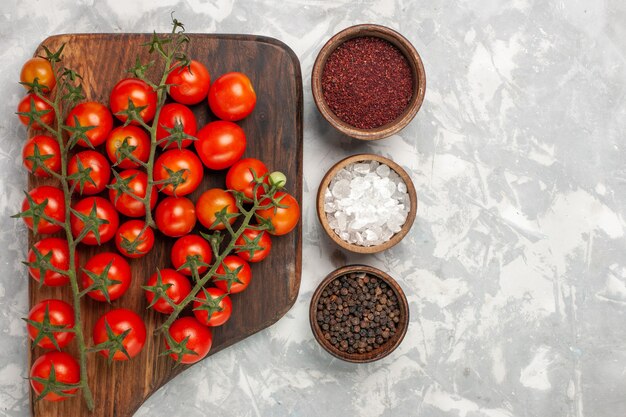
{"type": "Point", "coordinates": [370, 235]}
{"type": "Point", "coordinates": [386, 234]}
{"type": "Point", "coordinates": [342, 220]}
{"type": "Point", "coordinates": [362, 168]}
{"type": "Point", "coordinates": [342, 175]}
{"type": "Point", "coordinates": [383, 171]}
{"type": "Point", "coordinates": [357, 224]}
{"type": "Point", "coordinates": [341, 189]}
{"type": "Point", "coordinates": [366, 203]}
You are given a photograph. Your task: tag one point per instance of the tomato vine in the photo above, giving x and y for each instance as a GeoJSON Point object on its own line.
{"type": "Point", "coordinates": [68, 90]}
{"type": "Point", "coordinates": [43, 109]}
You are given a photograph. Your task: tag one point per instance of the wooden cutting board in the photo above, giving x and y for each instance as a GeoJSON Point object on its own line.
{"type": "Point", "coordinates": [274, 134]}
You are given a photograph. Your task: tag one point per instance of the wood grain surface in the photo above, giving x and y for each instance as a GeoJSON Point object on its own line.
{"type": "Point", "coordinates": [274, 134]}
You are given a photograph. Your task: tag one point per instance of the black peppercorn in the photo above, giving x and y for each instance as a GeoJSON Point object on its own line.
{"type": "Point", "coordinates": [358, 313]}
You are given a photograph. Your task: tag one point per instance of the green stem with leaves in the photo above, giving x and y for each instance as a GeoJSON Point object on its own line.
{"type": "Point", "coordinates": [202, 281]}
{"type": "Point", "coordinates": [168, 48]}
{"type": "Point", "coordinates": [67, 78]}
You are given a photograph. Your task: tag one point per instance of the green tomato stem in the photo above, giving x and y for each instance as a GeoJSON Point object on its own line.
{"type": "Point", "coordinates": [71, 272]}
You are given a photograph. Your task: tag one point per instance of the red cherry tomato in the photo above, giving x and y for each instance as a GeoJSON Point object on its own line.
{"type": "Point", "coordinates": [92, 114]}
{"type": "Point", "coordinates": [179, 288]}
{"type": "Point", "coordinates": [240, 178]}
{"type": "Point", "coordinates": [233, 284]}
{"type": "Point", "coordinates": [179, 160]}
{"type": "Point", "coordinates": [232, 96]}
{"type": "Point", "coordinates": [171, 115]}
{"type": "Point", "coordinates": [220, 144]}
{"type": "Point", "coordinates": [189, 85]}
{"type": "Point", "coordinates": [262, 239]}
{"type": "Point", "coordinates": [49, 151]}
{"type": "Point", "coordinates": [66, 370]}
{"type": "Point", "coordinates": [100, 172]}
{"type": "Point", "coordinates": [124, 202]}
{"type": "Point", "coordinates": [59, 313]}
{"type": "Point", "coordinates": [135, 137]}
{"type": "Point", "coordinates": [175, 216]}
{"type": "Point", "coordinates": [216, 311]}
{"type": "Point", "coordinates": [130, 232]}
{"type": "Point", "coordinates": [119, 321]}
{"type": "Point", "coordinates": [284, 219]}
{"type": "Point", "coordinates": [118, 270]}
{"type": "Point", "coordinates": [60, 259]}
{"type": "Point", "coordinates": [199, 339]}
{"type": "Point", "coordinates": [104, 211]}
{"type": "Point", "coordinates": [40, 69]}
{"type": "Point", "coordinates": [54, 208]}
{"type": "Point", "coordinates": [211, 202]}
{"type": "Point", "coordinates": [25, 105]}
{"type": "Point", "coordinates": [191, 246]}
{"type": "Point", "coordinates": [139, 92]}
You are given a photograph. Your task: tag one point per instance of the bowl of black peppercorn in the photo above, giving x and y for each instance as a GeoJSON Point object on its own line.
{"type": "Point", "coordinates": [359, 314]}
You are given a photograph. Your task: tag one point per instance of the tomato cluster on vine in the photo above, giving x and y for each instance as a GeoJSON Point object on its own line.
{"type": "Point", "coordinates": [122, 190]}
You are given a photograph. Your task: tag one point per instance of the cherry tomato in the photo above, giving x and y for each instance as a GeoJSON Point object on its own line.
{"type": "Point", "coordinates": [232, 96]}
{"type": "Point", "coordinates": [211, 202]}
{"type": "Point", "coordinates": [179, 160]}
{"type": "Point", "coordinates": [135, 137]}
{"type": "Point", "coordinates": [220, 144]}
{"type": "Point", "coordinates": [100, 172]}
{"type": "Point", "coordinates": [138, 184]}
{"type": "Point", "coordinates": [199, 339]}
{"type": "Point", "coordinates": [119, 321]}
{"type": "Point", "coordinates": [59, 313]}
{"type": "Point", "coordinates": [284, 219]}
{"type": "Point", "coordinates": [54, 208]}
{"type": "Point", "coordinates": [66, 370]}
{"type": "Point", "coordinates": [175, 216]}
{"type": "Point", "coordinates": [191, 246]}
{"type": "Point", "coordinates": [92, 114]}
{"type": "Point", "coordinates": [40, 69]}
{"type": "Point", "coordinates": [118, 270]}
{"type": "Point", "coordinates": [25, 105]}
{"type": "Point", "coordinates": [49, 151]}
{"type": "Point", "coordinates": [217, 311]}
{"type": "Point", "coordinates": [189, 85]}
{"type": "Point", "coordinates": [104, 211]}
{"type": "Point", "coordinates": [130, 232]}
{"type": "Point", "coordinates": [179, 288]}
{"type": "Point", "coordinates": [233, 284]}
{"type": "Point", "coordinates": [59, 259]}
{"type": "Point", "coordinates": [240, 178]}
{"type": "Point", "coordinates": [139, 92]}
{"type": "Point", "coordinates": [250, 236]}
{"type": "Point", "coordinates": [171, 115]}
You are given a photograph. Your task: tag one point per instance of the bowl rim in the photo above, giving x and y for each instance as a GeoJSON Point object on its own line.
{"type": "Point", "coordinates": [397, 237]}
{"type": "Point", "coordinates": [386, 348]}
{"type": "Point", "coordinates": [409, 52]}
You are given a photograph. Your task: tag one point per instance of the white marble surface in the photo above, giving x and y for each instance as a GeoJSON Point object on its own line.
{"type": "Point", "coordinates": [516, 266]}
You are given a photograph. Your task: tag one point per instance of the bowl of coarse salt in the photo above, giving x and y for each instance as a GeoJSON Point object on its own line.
{"type": "Point", "coordinates": [366, 203]}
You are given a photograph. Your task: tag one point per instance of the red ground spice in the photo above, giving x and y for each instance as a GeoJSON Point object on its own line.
{"type": "Point", "coordinates": [367, 82]}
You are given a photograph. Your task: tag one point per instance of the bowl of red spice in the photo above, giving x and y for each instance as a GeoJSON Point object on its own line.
{"type": "Point", "coordinates": [359, 314]}
{"type": "Point", "coordinates": [368, 81]}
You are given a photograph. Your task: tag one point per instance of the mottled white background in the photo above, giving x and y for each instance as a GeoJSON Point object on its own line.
{"type": "Point", "coordinates": [516, 266]}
